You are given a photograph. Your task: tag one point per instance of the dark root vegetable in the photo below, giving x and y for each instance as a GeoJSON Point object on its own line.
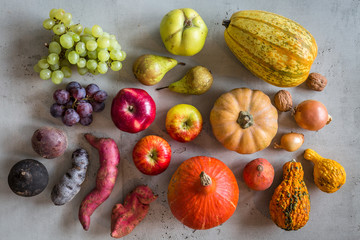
{"type": "Point", "coordinates": [49, 142]}
{"type": "Point", "coordinates": [28, 178]}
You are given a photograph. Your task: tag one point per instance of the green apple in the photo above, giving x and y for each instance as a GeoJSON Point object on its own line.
{"type": "Point", "coordinates": [183, 122]}
{"type": "Point", "coordinates": [183, 32]}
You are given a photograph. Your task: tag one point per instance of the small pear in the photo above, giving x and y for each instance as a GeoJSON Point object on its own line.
{"type": "Point", "coordinates": [196, 81]}
{"type": "Point", "coordinates": [150, 69]}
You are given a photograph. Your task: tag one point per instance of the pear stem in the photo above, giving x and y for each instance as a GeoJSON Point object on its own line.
{"type": "Point", "coordinates": [161, 88]}
{"type": "Point", "coordinates": [181, 63]}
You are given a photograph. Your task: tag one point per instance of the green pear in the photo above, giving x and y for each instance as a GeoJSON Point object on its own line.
{"type": "Point", "coordinates": [150, 69]}
{"type": "Point", "coordinates": [196, 81]}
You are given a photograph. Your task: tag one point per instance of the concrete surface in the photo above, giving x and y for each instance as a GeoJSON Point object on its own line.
{"type": "Point", "coordinates": [25, 100]}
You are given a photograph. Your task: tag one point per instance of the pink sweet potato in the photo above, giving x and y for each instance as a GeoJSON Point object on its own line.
{"type": "Point", "coordinates": [126, 217]}
{"type": "Point", "coordinates": [106, 176]}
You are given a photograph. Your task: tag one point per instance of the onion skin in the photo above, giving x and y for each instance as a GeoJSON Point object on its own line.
{"type": "Point", "coordinates": [311, 115]}
{"type": "Point", "coordinates": [291, 142]}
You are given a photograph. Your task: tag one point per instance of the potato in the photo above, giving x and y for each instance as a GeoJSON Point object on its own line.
{"type": "Point", "coordinates": [49, 142]}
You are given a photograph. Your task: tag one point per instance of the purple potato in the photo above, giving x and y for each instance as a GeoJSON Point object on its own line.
{"type": "Point", "coordinates": [49, 142]}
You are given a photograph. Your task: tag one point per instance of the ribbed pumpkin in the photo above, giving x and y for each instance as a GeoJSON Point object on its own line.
{"type": "Point", "coordinates": [274, 48]}
{"type": "Point", "coordinates": [244, 120]}
{"type": "Point", "coordinates": [203, 193]}
{"type": "Point", "coordinates": [290, 203]}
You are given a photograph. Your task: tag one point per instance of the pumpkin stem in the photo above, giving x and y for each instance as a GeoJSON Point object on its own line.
{"type": "Point", "coordinates": [205, 179]}
{"type": "Point", "coordinates": [226, 23]}
{"type": "Point", "coordinates": [245, 119]}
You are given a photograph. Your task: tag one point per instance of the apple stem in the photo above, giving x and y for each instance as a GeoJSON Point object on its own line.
{"type": "Point", "coordinates": [161, 88]}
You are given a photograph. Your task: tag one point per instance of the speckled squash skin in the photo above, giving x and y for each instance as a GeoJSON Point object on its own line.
{"type": "Point", "coordinates": [290, 203]}
{"type": "Point", "coordinates": [329, 175]}
{"type": "Point", "coordinates": [274, 48]}
{"type": "Point", "coordinates": [229, 124]}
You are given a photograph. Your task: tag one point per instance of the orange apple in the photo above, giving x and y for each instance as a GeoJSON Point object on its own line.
{"type": "Point", "coordinates": [258, 174]}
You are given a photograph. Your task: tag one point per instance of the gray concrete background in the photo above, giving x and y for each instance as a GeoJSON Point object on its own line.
{"type": "Point", "coordinates": [25, 100]}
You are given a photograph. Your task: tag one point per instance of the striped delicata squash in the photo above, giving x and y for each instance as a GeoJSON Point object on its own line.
{"type": "Point", "coordinates": [274, 48]}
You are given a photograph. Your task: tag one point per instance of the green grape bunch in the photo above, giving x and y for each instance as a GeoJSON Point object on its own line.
{"type": "Point", "coordinates": [89, 49]}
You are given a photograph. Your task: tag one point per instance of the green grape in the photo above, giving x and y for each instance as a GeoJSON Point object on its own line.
{"type": "Point", "coordinates": [92, 54]}
{"type": "Point", "coordinates": [103, 56]}
{"type": "Point", "coordinates": [84, 54]}
{"type": "Point", "coordinates": [43, 64]}
{"type": "Point", "coordinates": [91, 45]}
{"type": "Point", "coordinates": [96, 31]}
{"type": "Point", "coordinates": [67, 18]}
{"type": "Point", "coordinates": [64, 62]}
{"type": "Point", "coordinates": [59, 14]}
{"type": "Point", "coordinates": [48, 23]}
{"type": "Point", "coordinates": [77, 28]}
{"type": "Point", "coordinates": [54, 47]}
{"type": "Point", "coordinates": [37, 68]}
{"type": "Point", "coordinates": [123, 56]}
{"type": "Point", "coordinates": [52, 13]}
{"type": "Point", "coordinates": [80, 47]}
{"type": "Point", "coordinates": [116, 54]}
{"type": "Point", "coordinates": [114, 45]}
{"type": "Point", "coordinates": [94, 72]}
{"type": "Point", "coordinates": [53, 58]}
{"type": "Point", "coordinates": [59, 29]}
{"type": "Point", "coordinates": [67, 52]}
{"type": "Point", "coordinates": [112, 37]}
{"type": "Point", "coordinates": [86, 37]}
{"type": "Point", "coordinates": [76, 37]}
{"type": "Point", "coordinates": [81, 63]}
{"type": "Point", "coordinates": [57, 76]}
{"type": "Point", "coordinates": [91, 64]}
{"type": "Point", "coordinates": [82, 71]}
{"type": "Point", "coordinates": [103, 42]}
{"type": "Point", "coordinates": [67, 71]}
{"type": "Point", "coordinates": [54, 67]}
{"type": "Point", "coordinates": [66, 41]}
{"type": "Point", "coordinates": [102, 67]}
{"type": "Point", "coordinates": [73, 57]}
{"type": "Point", "coordinates": [56, 38]}
{"type": "Point", "coordinates": [45, 74]}
{"type": "Point", "coordinates": [87, 31]}
{"type": "Point", "coordinates": [116, 65]}
{"type": "Point", "coordinates": [105, 35]}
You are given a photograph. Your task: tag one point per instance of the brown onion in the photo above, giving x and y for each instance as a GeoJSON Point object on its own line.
{"type": "Point", "coordinates": [311, 115]}
{"type": "Point", "coordinates": [291, 142]}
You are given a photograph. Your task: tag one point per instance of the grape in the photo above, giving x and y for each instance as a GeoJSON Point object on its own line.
{"type": "Point", "coordinates": [106, 35]}
{"type": "Point", "coordinates": [116, 65]}
{"type": "Point", "coordinates": [81, 63]}
{"type": "Point", "coordinates": [54, 47]}
{"type": "Point", "coordinates": [103, 55]}
{"type": "Point", "coordinates": [59, 14]}
{"type": "Point", "coordinates": [82, 71]}
{"type": "Point", "coordinates": [92, 54]}
{"type": "Point", "coordinates": [84, 54]}
{"type": "Point", "coordinates": [57, 76]}
{"type": "Point", "coordinates": [102, 67]}
{"type": "Point", "coordinates": [100, 96]}
{"type": "Point", "coordinates": [94, 71]}
{"type": "Point", "coordinates": [66, 41]}
{"type": "Point", "coordinates": [103, 42]}
{"type": "Point", "coordinates": [69, 104]}
{"type": "Point", "coordinates": [43, 64]}
{"type": "Point", "coordinates": [70, 117]}
{"type": "Point", "coordinates": [57, 110]}
{"type": "Point", "coordinates": [97, 106]}
{"type": "Point", "coordinates": [67, 71]}
{"type": "Point", "coordinates": [45, 74]}
{"type": "Point", "coordinates": [76, 37]}
{"type": "Point", "coordinates": [37, 68]}
{"type": "Point", "coordinates": [84, 109]}
{"type": "Point", "coordinates": [67, 18]}
{"type": "Point", "coordinates": [91, 64]}
{"type": "Point", "coordinates": [64, 62]}
{"type": "Point", "coordinates": [86, 120]}
{"type": "Point", "coordinates": [87, 31]}
{"type": "Point", "coordinates": [96, 31]}
{"type": "Point", "coordinates": [73, 57]}
{"type": "Point", "coordinates": [78, 93]}
{"type": "Point", "coordinates": [48, 23]}
{"type": "Point", "coordinates": [52, 13]}
{"type": "Point", "coordinates": [91, 45]}
{"type": "Point", "coordinates": [80, 47]}
{"type": "Point", "coordinates": [112, 37]}
{"type": "Point", "coordinates": [114, 45]}
{"type": "Point", "coordinates": [72, 85]}
{"type": "Point", "coordinates": [77, 28]}
{"type": "Point", "coordinates": [116, 54]}
{"type": "Point", "coordinates": [91, 89]}
{"type": "Point", "coordinates": [59, 29]}
{"type": "Point", "coordinates": [54, 67]}
{"type": "Point", "coordinates": [61, 96]}
{"type": "Point", "coordinates": [53, 58]}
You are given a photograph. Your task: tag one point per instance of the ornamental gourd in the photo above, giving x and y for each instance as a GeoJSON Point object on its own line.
{"type": "Point", "coordinates": [290, 203]}
{"type": "Point", "coordinates": [203, 193]}
{"type": "Point", "coordinates": [244, 120]}
{"type": "Point", "coordinates": [274, 48]}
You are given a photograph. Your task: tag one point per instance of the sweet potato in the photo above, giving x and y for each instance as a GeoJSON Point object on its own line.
{"type": "Point", "coordinates": [126, 217]}
{"type": "Point", "coordinates": [70, 183]}
{"type": "Point", "coordinates": [105, 180]}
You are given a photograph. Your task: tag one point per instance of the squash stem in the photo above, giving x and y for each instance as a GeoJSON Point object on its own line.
{"type": "Point", "coordinates": [245, 119]}
{"type": "Point", "coordinates": [226, 23]}
{"type": "Point", "coordinates": [205, 179]}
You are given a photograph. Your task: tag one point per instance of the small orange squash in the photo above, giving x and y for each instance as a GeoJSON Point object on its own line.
{"type": "Point", "coordinates": [244, 120]}
{"type": "Point", "coordinates": [290, 203]}
{"type": "Point", "coordinates": [203, 193]}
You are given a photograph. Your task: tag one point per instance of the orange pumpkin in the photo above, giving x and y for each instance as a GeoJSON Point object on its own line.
{"type": "Point", "coordinates": [203, 193]}
{"type": "Point", "coordinates": [244, 120]}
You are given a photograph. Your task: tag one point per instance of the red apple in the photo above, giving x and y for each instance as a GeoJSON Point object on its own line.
{"type": "Point", "coordinates": [258, 174]}
{"type": "Point", "coordinates": [183, 122]}
{"type": "Point", "coordinates": [152, 155]}
{"type": "Point", "coordinates": [133, 110]}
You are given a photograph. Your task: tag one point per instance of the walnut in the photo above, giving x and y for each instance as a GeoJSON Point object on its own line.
{"type": "Point", "coordinates": [316, 81]}
{"type": "Point", "coordinates": [283, 101]}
